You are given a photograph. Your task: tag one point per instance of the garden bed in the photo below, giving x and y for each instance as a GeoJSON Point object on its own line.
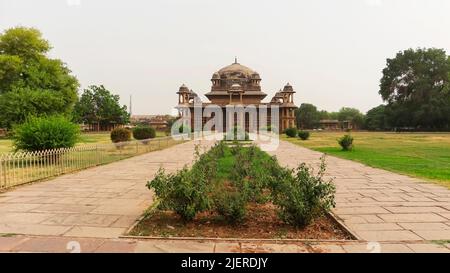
{"type": "Point", "coordinates": [240, 192]}
{"type": "Point", "coordinates": [261, 223]}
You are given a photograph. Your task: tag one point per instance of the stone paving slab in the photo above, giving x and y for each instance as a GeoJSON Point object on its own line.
{"type": "Point", "coordinates": [100, 202]}
{"type": "Point", "coordinates": [379, 205]}
{"type": "Point", "coordinates": [88, 245]}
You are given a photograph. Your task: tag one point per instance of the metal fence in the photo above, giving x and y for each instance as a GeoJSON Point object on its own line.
{"type": "Point", "coordinates": [24, 167]}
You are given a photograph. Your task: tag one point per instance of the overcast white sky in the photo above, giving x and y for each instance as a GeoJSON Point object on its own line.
{"type": "Point", "coordinates": [331, 51]}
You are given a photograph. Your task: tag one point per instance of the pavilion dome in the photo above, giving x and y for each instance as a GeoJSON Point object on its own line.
{"type": "Point", "coordinates": [256, 76]}
{"type": "Point", "coordinates": [184, 89]}
{"type": "Point", "coordinates": [236, 70]}
{"type": "Point", "coordinates": [288, 88]}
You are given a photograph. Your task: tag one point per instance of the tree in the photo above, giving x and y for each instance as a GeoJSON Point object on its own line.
{"type": "Point", "coordinates": [353, 115]}
{"type": "Point", "coordinates": [17, 106]}
{"type": "Point", "coordinates": [97, 105]}
{"type": "Point", "coordinates": [307, 116]}
{"type": "Point", "coordinates": [323, 114]}
{"type": "Point", "coordinates": [415, 87]}
{"type": "Point", "coordinates": [30, 82]}
{"type": "Point", "coordinates": [10, 68]}
{"type": "Point", "coordinates": [376, 118]}
{"type": "Point", "coordinates": [27, 43]}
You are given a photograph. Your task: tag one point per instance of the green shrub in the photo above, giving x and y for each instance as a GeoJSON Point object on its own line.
{"type": "Point", "coordinates": [218, 150]}
{"type": "Point", "coordinates": [231, 206]}
{"type": "Point", "coordinates": [304, 135]}
{"type": "Point", "coordinates": [120, 135]}
{"type": "Point", "coordinates": [346, 142]}
{"type": "Point", "coordinates": [185, 192]}
{"type": "Point", "coordinates": [291, 132]}
{"type": "Point", "coordinates": [43, 133]}
{"type": "Point", "coordinates": [206, 163]}
{"type": "Point", "coordinates": [249, 173]}
{"type": "Point", "coordinates": [302, 197]}
{"type": "Point", "coordinates": [188, 192]}
{"type": "Point", "coordinates": [144, 132]}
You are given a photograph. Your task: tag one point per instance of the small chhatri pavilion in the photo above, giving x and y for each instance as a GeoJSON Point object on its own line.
{"type": "Point", "coordinates": [237, 84]}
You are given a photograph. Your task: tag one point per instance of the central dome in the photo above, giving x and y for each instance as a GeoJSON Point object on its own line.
{"type": "Point", "coordinates": [227, 78]}
{"type": "Point", "coordinates": [236, 70]}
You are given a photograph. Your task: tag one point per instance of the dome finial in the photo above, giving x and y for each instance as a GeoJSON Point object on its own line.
{"type": "Point", "coordinates": [235, 59]}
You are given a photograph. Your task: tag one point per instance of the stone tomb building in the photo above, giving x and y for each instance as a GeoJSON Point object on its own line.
{"type": "Point", "coordinates": [238, 85]}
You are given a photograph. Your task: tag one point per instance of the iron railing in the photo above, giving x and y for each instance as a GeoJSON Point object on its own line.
{"type": "Point", "coordinates": [25, 167]}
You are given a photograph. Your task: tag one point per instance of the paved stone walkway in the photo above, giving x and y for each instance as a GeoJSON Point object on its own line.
{"type": "Point", "coordinates": [378, 205]}
{"type": "Point", "coordinates": [100, 202]}
{"type": "Point", "coordinates": [64, 244]}
{"type": "Point", "coordinates": [92, 208]}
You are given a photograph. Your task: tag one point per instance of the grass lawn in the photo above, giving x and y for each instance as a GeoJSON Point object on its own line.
{"type": "Point", "coordinates": [424, 155]}
{"type": "Point", "coordinates": [6, 145]}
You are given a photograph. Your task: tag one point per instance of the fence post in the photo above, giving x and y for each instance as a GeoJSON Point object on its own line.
{"type": "Point", "coordinates": [2, 173]}
{"type": "Point", "coordinates": [97, 153]}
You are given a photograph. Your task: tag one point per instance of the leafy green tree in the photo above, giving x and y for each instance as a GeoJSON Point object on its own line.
{"type": "Point", "coordinates": [353, 115]}
{"type": "Point", "coordinates": [10, 68]}
{"type": "Point", "coordinates": [415, 86]}
{"type": "Point", "coordinates": [27, 43]}
{"type": "Point", "coordinates": [17, 105]}
{"type": "Point", "coordinates": [97, 105]}
{"type": "Point", "coordinates": [376, 118]}
{"type": "Point", "coordinates": [30, 82]}
{"type": "Point", "coordinates": [307, 116]}
{"type": "Point", "coordinates": [327, 115]}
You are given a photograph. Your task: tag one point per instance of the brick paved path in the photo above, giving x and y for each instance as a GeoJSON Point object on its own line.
{"type": "Point", "coordinates": [99, 202]}
{"type": "Point", "coordinates": [378, 205]}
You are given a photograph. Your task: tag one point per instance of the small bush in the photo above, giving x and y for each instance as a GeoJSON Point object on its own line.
{"type": "Point", "coordinates": [346, 142]}
{"type": "Point", "coordinates": [231, 206]}
{"type": "Point", "coordinates": [188, 192]}
{"type": "Point", "coordinates": [304, 135]}
{"type": "Point", "coordinates": [185, 192]}
{"type": "Point", "coordinates": [120, 135]}
{"type": "Point", "coordinates": [302, 197]}
{"type": "Point", "coordinates": [291, 132]}
{"type": "Point", "coordinates": [45, 133]}
{"type": "Point", "coordinates": [144, 132]}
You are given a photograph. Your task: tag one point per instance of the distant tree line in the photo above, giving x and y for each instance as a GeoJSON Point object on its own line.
{"type": "Point", "coordinates": [309, 117]}
{"type": "Point", "coordinates": [415, 88]}
{"type": "Point", "coordinates": [34, 85]}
